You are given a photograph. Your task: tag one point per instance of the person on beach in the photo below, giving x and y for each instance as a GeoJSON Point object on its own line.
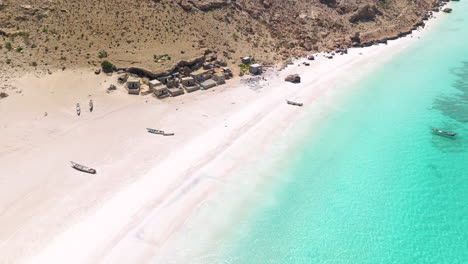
{"type": "Point", "coordinates": [91, 105]}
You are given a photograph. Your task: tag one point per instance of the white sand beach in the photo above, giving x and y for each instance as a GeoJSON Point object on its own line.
{"type": "Point", "coordinates": [147, 186]}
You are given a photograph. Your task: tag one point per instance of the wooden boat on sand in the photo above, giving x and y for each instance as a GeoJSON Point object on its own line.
{"type": "Point", "coordinates": [155, 131]}
{"type": "Point", "coordinates": [83, 168]}
{"type": "Point", "coordinates": [294, 103]}
{"type": "Point", "coordinates": [443, 133]}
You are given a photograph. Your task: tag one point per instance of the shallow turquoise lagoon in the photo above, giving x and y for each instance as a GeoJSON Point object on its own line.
{"type": "Point", "coordinates": [373, 184]}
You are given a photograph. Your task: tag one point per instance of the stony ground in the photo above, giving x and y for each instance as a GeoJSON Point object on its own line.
{"type": "Point", "coordinates": [46, 35]}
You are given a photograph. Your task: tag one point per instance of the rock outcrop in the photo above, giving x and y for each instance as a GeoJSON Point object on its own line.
{"type": "Point", "coordinates": [365, 13]}
{"type": "Point", "coordinates": [293, 78]}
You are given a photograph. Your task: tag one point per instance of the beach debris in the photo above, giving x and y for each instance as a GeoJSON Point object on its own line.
{"type": "Point", "coordinates": [83, 168]}
{"type": "Point", "coordinates": [294, 103]}
{"type": "Point", "coordinates": [122, 78]}
{"type": "Point", "coordinates": [78, 109]}
{"type": "Point", "coordinates": [306, 63]}
{"type": "Point", "coordinates": [254, 83]}
{"type": "Point", "coordinates": [111, 88]}
{"type": "Point", "coordinates": [91, 105]}
{"type": "Point", "coordinates": [293, 78]}
{"type": "Point", "coordinates": [311, 57]}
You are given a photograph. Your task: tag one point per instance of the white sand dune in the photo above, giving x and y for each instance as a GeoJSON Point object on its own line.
{"type": "Point", "coordinates": [147, 185]}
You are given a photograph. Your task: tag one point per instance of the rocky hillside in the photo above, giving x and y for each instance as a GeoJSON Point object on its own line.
{"type": "Point", "coordinates": [155, 34]}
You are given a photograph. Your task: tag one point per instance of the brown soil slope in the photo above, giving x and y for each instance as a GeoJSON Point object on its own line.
{"type": "Point", "coordinates": [50, 34]}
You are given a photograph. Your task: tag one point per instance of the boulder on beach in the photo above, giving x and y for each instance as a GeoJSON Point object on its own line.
{"type": "Point", "coordinates": [293, 78]}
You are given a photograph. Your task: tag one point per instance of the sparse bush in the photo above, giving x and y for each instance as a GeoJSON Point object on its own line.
{"type": "Point", "coordinates": [244, 68]}
{"type": "Point", "coordinates": [8, 45]}
{"type": "Point", "coordinates": [235, 36]}
{"type": "Point", "coordinates": [3, 95]}
{"type": "Point", "coordinates": [45, 30]}
{"type": "Point", "coordinates": [103, 54]}
{"type": "Point", "coordinates": [34, 64]}
{"type": "Point", "coordinates": [19, 49]}
{"type": "Point", "coordinates": [8, 61]}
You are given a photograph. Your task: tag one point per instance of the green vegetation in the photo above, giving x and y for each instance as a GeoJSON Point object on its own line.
{"type": "Point", "coordinates": [103, 54]}
{"type": "Point", "coordinates": [8, 45]}
{"type": "Point", "coordinates": [45, 30]}
{"type": "Point", "coordinates": [107, 66]}
{"type": "Point", "coordinates": [19, 49]}
{"type": "Point", "coordinates": [244, 67]}
{"type": "Point", "coordinates": [22, 33]}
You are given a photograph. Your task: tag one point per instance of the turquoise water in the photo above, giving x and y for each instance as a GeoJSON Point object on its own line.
{"type": "Point", "coordinates": [373, 184]}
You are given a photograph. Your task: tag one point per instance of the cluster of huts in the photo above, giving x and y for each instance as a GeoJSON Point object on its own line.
{"type": "Point", "coordinates": [175, 84]}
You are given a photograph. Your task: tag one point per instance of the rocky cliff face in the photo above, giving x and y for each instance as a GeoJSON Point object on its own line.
{"type": "Point", "coordinates": [47, 34]}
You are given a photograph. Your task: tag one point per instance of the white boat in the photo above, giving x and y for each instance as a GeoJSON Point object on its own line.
{"type": "Point", "coordinates": [444, 133]}
{"type": "Point", "coordinates": [78, 109]}
{"type": "Point", "coordinates": [83, 168]}
{"type": "Point", "coordinates": [294, 103]}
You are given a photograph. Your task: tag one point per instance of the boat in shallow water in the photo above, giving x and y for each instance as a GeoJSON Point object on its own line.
{"type": "Point", "coordinates": [443, 133]}
{"type": "Point", "coordinates": [83, 168]}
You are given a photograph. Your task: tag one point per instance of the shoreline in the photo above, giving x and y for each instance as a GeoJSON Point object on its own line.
{"type": "Point", "coordinates": [115, 222]}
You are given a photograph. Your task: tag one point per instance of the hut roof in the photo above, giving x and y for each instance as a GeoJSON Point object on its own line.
{"type": "Point", "coordinates": [133, 80]}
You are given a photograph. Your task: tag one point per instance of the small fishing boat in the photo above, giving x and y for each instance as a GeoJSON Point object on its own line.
{"type": "Point", "coordinates": [83, 168]}
{"type": "Point", "coordinates": [78, 109]}
{"type": "Point", "coordinates": [294, 103]}
{"type": "Point", "coordinates": [168, 134]}
{"type": "Point", "coordinates": [155, 131]}
{"type": "Point", "coordinates": [444, 133]}
{"type": "Point", "coordinates": [91, 106]}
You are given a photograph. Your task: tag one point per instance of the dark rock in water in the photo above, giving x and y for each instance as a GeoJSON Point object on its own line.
{"type": "Point", "coordinates": [293, 78]}
{"type": "Point", "coordinates": [447, 10]}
